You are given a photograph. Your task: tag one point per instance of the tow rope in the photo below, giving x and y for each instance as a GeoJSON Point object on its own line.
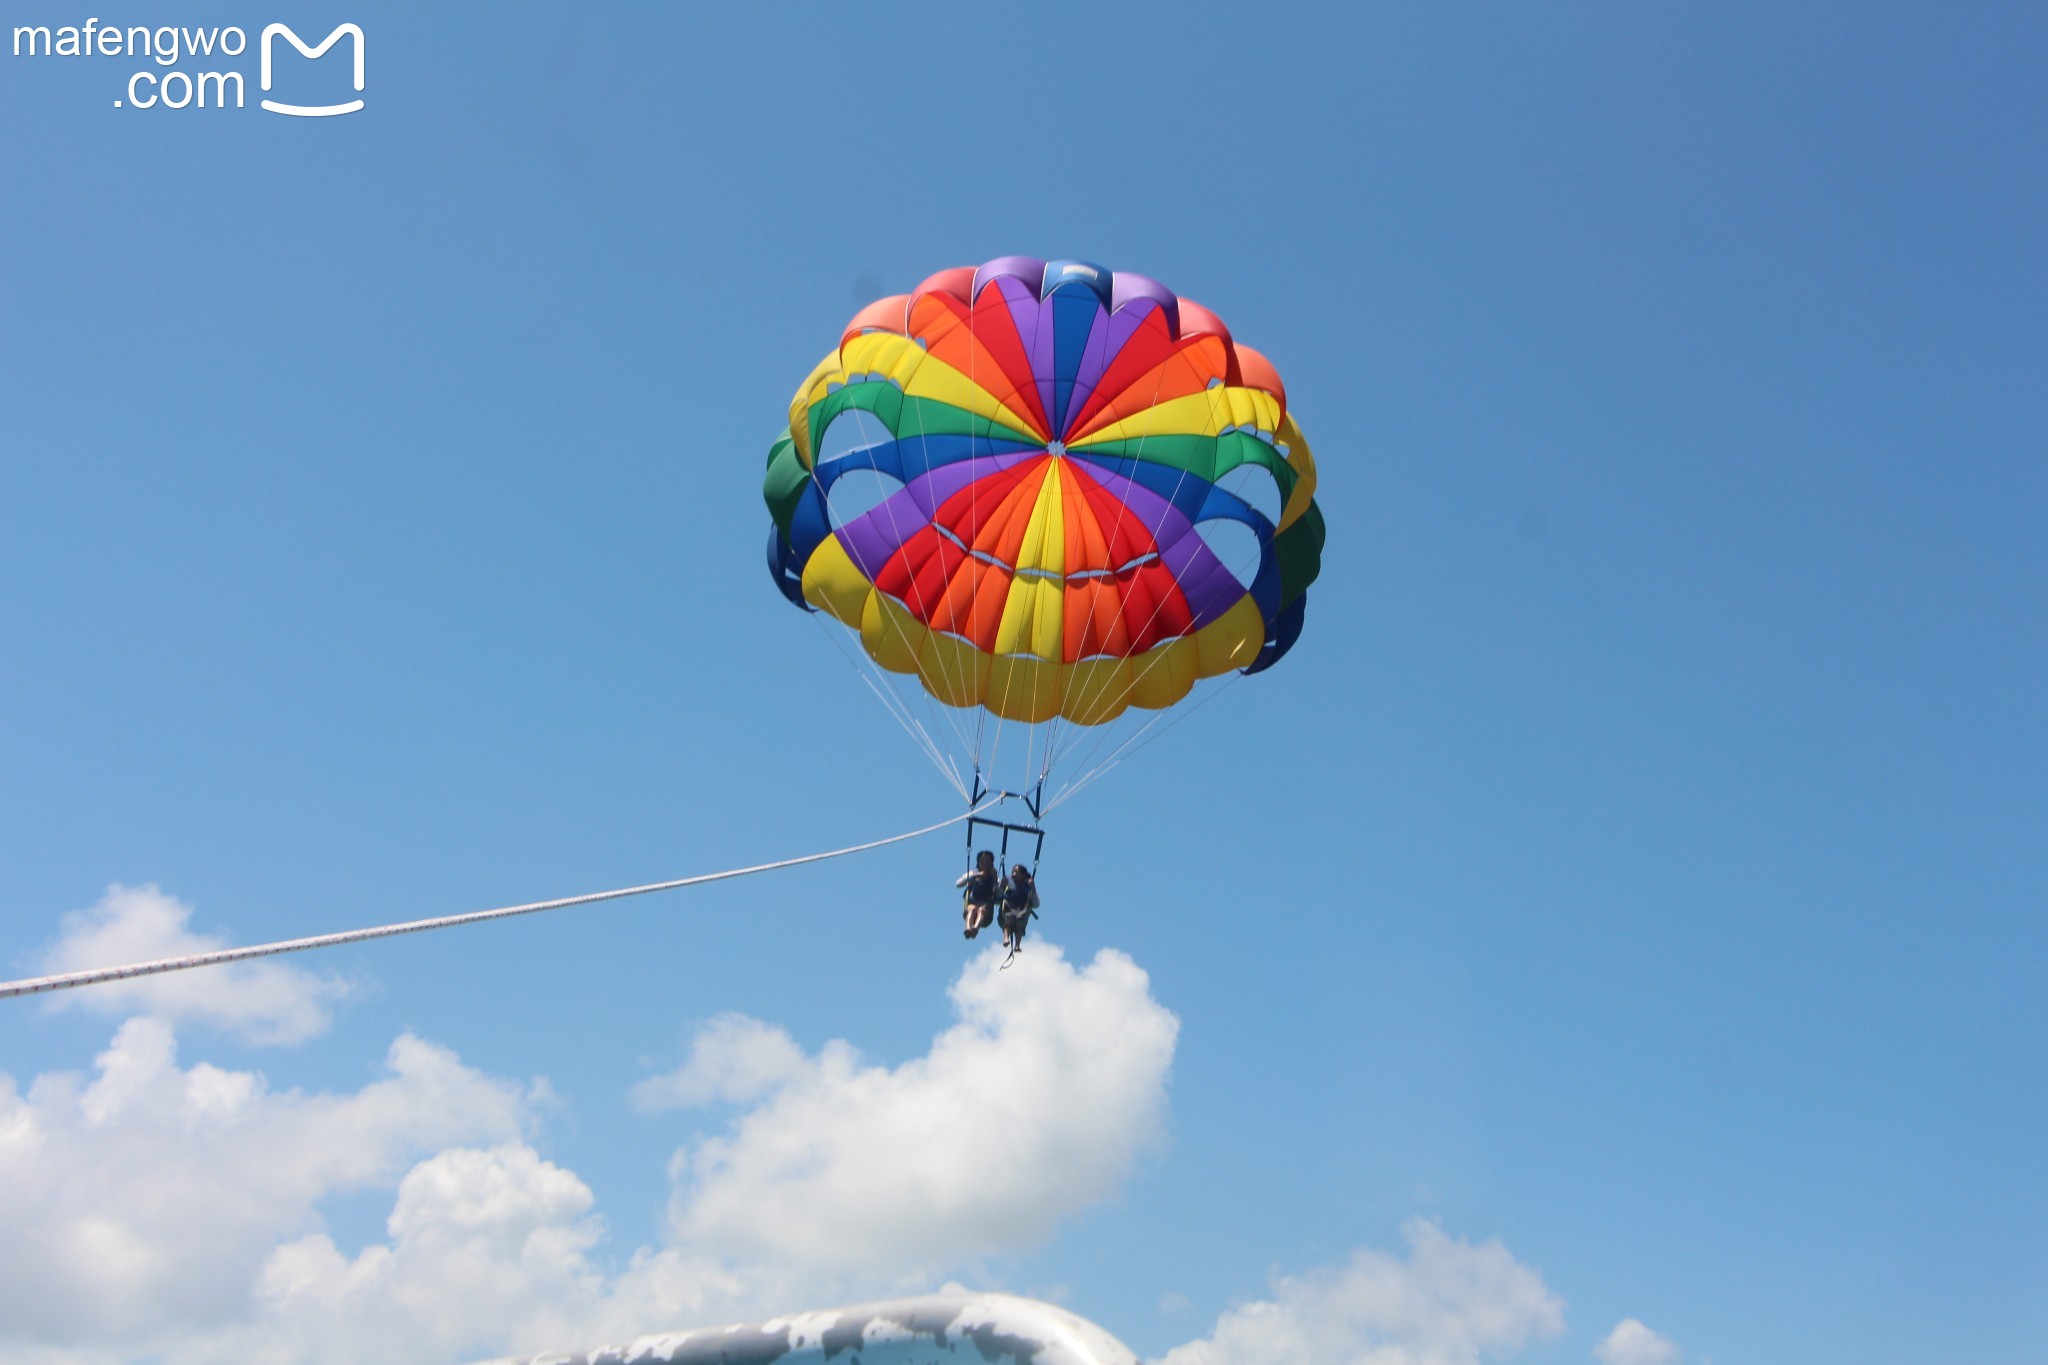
{"type": "Point", "coordinates": [35, 985]}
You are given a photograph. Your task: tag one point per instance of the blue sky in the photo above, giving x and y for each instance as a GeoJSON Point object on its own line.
{"type": "Point", "coordinates": [1639, 861]}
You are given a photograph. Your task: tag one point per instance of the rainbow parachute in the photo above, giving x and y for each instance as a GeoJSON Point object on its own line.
{"type": "Point", "coordinates": [1049, 491]}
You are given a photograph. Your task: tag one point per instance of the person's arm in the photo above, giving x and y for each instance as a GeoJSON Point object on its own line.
{"type": "Point", "coordinates": [964, 877]}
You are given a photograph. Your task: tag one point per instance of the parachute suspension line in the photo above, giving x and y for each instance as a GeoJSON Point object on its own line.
{"type": "Point", "coordinates": [1069, 738]}
{"type": "Point", "coordinates": [931, 749]}
{"type": "Point", "coordinates": [1138, 741]}
{"type": "Point", "coordinates": [980, 729]}
{"type": "Point", "coordinates": [932, 711]}
{"type": "Point", "coordinates": [991, 759]}
{"type": "Point", "coordinates": [1034, 737]}
{"type": "Point", "coordinates": [1056, 732]}
{"type": "Point", "coordinates": [888, 692]}
{"type": "Point", "coordinates": [863, 667]}
{"type": "Point", "coordinates": [1130, 744]}
{"type": "Point", "coordinates": [67, 980]}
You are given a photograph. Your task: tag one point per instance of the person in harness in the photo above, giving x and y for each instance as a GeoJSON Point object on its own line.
{"type": "Point", "coordinates": [983, 883]}
{"type": "Point", "coordinates": [1020, 907]}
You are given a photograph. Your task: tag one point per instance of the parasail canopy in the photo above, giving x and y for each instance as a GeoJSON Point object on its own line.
{"type": "Point", "coordinates": [1046, 493]}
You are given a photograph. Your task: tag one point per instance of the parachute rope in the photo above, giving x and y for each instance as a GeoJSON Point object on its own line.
{"type": "Point", "coordinates": [877, 682]}
{"type": "Point", "coordinates": [1143, 737]}
{"type": "Point", "coordinates": [94, 976]}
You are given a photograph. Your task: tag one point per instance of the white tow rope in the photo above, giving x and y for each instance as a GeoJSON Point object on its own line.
{"type": "Point", "coordinates": [66, 980]}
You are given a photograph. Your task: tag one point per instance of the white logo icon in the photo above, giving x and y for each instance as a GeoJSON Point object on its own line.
{"type": "Point", "coordinates": [314, 54]}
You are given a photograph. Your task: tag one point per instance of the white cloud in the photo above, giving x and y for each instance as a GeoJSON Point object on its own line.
{"type": "Point", "coordinates": [146, 1199]}
{"type": "Point", "coordinates": [172, 1213]}
{"type": "Point", "coordinates": [1631, 1343]}
{"type": "Point", "coordinates": [1032, 1107]}
{"type": "Point", "coordinates": [485, 1243]}
{"type": "Point", "coordinates": [259, 1002]}
{"type": "Point", "coordinates": [1449, 1303]}
{"type": "Point", "coordinates": [733, 1058]}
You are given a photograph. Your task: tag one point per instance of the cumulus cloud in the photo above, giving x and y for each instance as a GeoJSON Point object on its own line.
{"type": "Point", "coordinates": [486, 1243]}
{"type": "Point", "coordinates": [1054, 1077]}
{"type": "Point", "coordinates": [1631, 1343]}
{"type": "Point", "coordinates": [733, 1058]}
{"type": "Point", "coordinates": [264, 1002]}
{"type": "Point", "coordinates": [1450, 1302]}
{"type": "Point", "coordinates": [172, 1213]}
{"type": "Point", "coordinates": [148, 1197]}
